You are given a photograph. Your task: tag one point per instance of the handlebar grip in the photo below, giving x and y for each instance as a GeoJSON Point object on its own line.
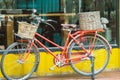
{"type": "Point", "coordinates": [36, 14]}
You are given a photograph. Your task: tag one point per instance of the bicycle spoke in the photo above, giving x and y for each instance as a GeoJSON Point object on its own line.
{"type": "Point", "coordinates": [98, 48]}
{"type": "Point", "coordinates": [12, 65]}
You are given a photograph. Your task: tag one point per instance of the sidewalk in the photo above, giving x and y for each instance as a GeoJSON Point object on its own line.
{"type": "Point", "coordinates": [110, 75]}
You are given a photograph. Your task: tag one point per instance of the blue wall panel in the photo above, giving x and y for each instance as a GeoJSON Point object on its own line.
{"type": "Point", "coordinates": [45, 6]}
{"type": "Point", "coordinates": [42, 6]}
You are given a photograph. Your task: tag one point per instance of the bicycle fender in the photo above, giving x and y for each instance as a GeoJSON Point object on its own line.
{"type": "Point", "coordinates": [109, 46]}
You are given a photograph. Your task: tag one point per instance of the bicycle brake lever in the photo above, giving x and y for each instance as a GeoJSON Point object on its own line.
{"type": "Point", "coordinates": [52, 20]}
{"type": "Point", "coordinates": [49, 25]}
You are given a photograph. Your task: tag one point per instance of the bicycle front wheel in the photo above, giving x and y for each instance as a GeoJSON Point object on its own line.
{"type": "Point", "coordinates": [101, 53]}
{"type": "Point", "coordinates": [14, 66]}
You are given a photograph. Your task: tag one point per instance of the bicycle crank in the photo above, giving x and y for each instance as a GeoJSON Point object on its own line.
{"type": "Point", "coordinates": [58, 63]}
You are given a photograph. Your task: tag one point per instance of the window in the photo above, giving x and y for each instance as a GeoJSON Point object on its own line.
{"type": "Point", "coordinates": [49, 9]}
{"type": "Point", "coordinates": [107, 8]}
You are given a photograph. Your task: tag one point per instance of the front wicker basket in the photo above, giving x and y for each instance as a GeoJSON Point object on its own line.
{"type": "Point", "coordinates": [26, 30]}
{"type": "Point", "coordinates": [90, 20]}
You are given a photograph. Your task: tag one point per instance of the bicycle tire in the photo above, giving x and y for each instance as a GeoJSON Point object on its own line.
{"type": "Point", "coordinates": [101, 54]}
{"type": "Point", "coordinates": [11, 66]}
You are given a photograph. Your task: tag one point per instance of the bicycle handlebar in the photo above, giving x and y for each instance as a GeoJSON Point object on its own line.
{"type": "Point", "coordinates": [36, 16]}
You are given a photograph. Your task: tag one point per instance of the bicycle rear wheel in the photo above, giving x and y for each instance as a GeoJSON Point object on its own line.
{"type": "Point", "coordinates": [101, 53]}
{"type": "Point", "coordinates": [12, 65]}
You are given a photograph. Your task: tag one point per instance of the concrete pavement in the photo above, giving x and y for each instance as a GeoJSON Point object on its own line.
{"type": "Point", "coordinates": [109, 75]}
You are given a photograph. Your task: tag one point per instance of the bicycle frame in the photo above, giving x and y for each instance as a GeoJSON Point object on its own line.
{"type": "Point", "coordinates": [64, 49]}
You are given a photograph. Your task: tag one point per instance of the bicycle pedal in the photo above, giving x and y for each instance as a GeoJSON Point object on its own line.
{"type": "Point", "coordinates": [51, 68]}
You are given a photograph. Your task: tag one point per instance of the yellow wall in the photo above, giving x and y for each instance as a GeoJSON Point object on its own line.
{"type": "Point", "coordinates": [114, 64]}
{"type": "Point", "coordinates": [46, 61]}
{"type": "Point", "coordinates": [119, 24]}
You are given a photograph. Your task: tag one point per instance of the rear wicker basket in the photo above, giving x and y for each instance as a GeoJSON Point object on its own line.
{"type": "Point", "coordinates": [26, 30]}
{"type": "Point", "coordinates": [90, 20]}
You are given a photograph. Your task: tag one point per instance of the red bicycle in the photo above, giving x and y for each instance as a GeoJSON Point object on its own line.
{"type": "Point", "coordinates": [79, 46]}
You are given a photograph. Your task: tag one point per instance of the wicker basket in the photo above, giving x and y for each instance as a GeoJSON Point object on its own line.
{"type": "Point", "coordinates": [26, 30]}
{"type": "Point", "coordinates": [90, 20]}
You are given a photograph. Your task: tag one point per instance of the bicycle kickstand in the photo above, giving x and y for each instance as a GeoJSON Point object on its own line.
{"type": "Point", "coordinates": [92, 67]}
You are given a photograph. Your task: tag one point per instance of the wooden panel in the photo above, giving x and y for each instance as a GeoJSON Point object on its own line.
{"type": "Point", "coordinates": [9, 33]}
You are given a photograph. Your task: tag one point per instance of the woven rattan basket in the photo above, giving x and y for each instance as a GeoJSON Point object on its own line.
{"type": "Point", "coordinates": [26, 30]}
{"type": "Point", "coordinates": [90, 20]}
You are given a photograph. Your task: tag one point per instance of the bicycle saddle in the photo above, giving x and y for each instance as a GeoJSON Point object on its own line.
{"type": "Point", "coordinates": [69, 26]}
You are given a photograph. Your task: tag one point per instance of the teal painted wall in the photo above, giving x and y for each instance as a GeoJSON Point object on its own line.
{"type": "Point", "coordinates": [42, 6]}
